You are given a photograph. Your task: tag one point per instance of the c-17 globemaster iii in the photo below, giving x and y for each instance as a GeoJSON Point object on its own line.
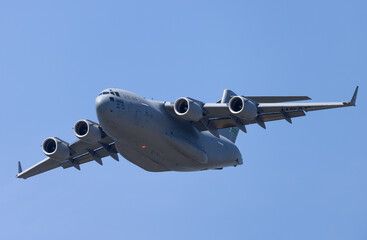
{"type": "Point", "coordinates": [185, 135]}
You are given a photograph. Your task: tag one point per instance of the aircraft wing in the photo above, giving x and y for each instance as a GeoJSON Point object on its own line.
{"type": "Point", "coordinates": [81, 152]}
{"type": "Point", "coordinates": [218, 115]}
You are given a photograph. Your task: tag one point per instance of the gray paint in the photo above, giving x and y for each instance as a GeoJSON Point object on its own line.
{"type": "Point", "coordinates": [152, 136]}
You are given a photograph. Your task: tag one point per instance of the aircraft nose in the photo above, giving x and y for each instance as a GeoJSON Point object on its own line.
{"type": "Point", "coordinates": [102, 105]}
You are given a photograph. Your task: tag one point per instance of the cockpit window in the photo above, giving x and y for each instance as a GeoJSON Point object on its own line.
{"type": "Point", "coordinates": [113, 93]}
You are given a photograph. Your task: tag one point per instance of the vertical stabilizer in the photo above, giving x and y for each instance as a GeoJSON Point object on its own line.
{"type": "Point", "coordinates": [232, 132]}
{"type": "Point", "coordinates": [227, 95]}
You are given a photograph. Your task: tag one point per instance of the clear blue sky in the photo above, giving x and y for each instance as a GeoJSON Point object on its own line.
{"type": "Point", "coordinates": [302, 181]}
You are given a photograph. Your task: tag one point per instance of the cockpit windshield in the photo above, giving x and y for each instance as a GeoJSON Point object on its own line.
{"type": "Point", "coordinates": [113, 93]}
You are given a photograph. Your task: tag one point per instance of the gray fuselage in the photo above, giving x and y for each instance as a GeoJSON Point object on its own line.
{"type": "Point", "coordinates": [149, 136]}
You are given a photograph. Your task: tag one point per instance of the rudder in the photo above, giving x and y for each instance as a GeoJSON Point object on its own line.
{"type": "Point", "coordinates": [232, 132]}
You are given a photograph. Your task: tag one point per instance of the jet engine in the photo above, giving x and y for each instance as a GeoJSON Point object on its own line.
{"type": "Point", "coordinates": [242, 108]}
{"type": "Point", "coordinates": [88, 131]}
{"type": "Point", "coordinates": [188, 109]}
{"type": "Point", "coordinates": [56, 148]}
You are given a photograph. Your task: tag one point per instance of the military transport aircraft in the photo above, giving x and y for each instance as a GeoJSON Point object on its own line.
{"type": "Point", "coordinates": [185, 135]}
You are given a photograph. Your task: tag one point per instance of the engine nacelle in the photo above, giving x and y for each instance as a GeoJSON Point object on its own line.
{"type": "Point", "coordinates": [242, 108]}
{"type": "Point", "coordinates": [188, 109]}
{"type": "Point", "coordinates": [56, 148]}
{"type": "Point", "coordinates": [88, 131]}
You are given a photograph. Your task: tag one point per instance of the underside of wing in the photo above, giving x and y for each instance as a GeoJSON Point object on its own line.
{"type": "Point", "coordinates": [89, 153]}
{"type": "Point", "coordinates": [43, 166]}
{"type": "Point", "coordinates": [238, 111]}
{"type": "Point", "coordinates": [66, 155]}
{"type": "Point", "coordinates": [82, 153]}
{"type": "Point", "coordinates": [219, 123]}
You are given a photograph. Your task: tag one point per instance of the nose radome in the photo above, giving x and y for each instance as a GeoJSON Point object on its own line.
{"type": "Point", "coordinates": [102, 103]}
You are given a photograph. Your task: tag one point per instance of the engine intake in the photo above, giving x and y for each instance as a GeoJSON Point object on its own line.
{"type": "Point", "coordinates": [88, 131]}
{"type": "Point", "coordinates": [242, 108]}
{"type": "Point", "coordinates": [56, 148]}
{"type": "Point", "coordinates": [188, 109]}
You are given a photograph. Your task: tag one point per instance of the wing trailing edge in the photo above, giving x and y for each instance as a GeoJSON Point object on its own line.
{"type": "Point", "coordinates": [277, 99]}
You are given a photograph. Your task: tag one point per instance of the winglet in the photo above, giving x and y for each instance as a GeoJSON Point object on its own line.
{"type": "Point", "coordinates": [354, 98]}
{"type": "Point", "coordinates": [19, 167]}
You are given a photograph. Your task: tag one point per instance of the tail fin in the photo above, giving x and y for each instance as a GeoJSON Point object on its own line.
{"type": "Point", "coordinates": [232, 132]}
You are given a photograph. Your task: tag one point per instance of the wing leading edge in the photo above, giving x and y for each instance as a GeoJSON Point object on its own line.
{"type": "Point", "coordinates": [218, 115]}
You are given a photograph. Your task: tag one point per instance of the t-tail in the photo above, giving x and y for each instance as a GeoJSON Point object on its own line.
{"type": "Point", "coordinates": [232, 132]}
